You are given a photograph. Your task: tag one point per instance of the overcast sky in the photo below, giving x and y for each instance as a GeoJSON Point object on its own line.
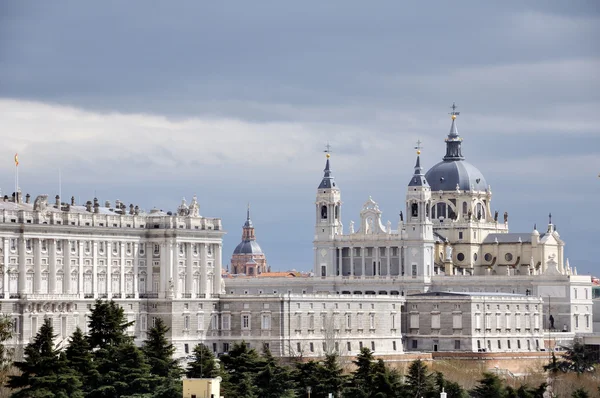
{"type": "Point", "coordinates": [148, 102]}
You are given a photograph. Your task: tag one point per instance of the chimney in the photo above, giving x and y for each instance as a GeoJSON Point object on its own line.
{"type": "Point", "coordinates": [88, 206]}
{"type": "Point", "coordinates": [57, 201]}
{"type": "Point", "coordinates": [72, 200]}
{"type": "Point", "coordinates": [107, 204]}
{"type": "Point", "coordinates": [137, 210]}
{"type": "Point", "coordinates": [131, 211]}
{"type": "Point", "coordinates": [28, 198]}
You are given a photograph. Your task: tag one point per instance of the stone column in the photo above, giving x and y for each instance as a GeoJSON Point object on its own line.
{"type": "Point", "coordinates": [80, 288]}
{"type": "Point", "coordinates": [164, 272]}
{"type": "Point", "coordinates": [66, 267]}
{"type": "Point", "coordinates": [362, 252]}
{"type": "Point", "coordinates": [136, 270]}
{"type": "Point", "coordinates": [52, 266]}
{"type": "Point", "coordinates": [389, 262]}
{"type": "Point", "coordinates": [149, 265]}
{"type": "Point", "coordinates": [376, 258]}
{"type": "Point", "coordinates": [22, 267]}
{"type": "Point", "coordinates": [109, 269]}
{"type": "Point", "coordinates": [217, 269]}
{"type": "Point", "coordinates": [122, 270]}
{"type": "Point", "coordinates": [95, 268]}
{"type": "Point", "coordinates": [37, 266]}
{"type": "Point", "coordinates": [339, 252]}
{"type": "Point", "coordinates": [351, 261]}
{"type": "Point", "coordinates": [5, 277]}
{"type": "Point", "coordinates": [203, 269]}
{"type": "Point", "coordinates": [175, 268]}
{"type": "Point", "coordinates": [189, 272]}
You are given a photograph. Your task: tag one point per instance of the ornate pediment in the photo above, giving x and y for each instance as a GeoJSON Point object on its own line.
{"type": "Point", "coordinates": [370, 216]}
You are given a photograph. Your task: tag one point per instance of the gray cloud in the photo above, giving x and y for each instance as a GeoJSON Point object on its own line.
{"type": "Point", "coordinates": [149, 103]}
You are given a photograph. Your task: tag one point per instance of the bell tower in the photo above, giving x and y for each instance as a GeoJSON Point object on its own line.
{"type": "Point", "coordinates": [328, 215]}
{"type": "Point", "coordinates": [419, 228]}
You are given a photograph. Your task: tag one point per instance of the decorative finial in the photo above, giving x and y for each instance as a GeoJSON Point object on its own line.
{"type": "Point", "coordinates": [549, 218]}
{"type": "Point", "coordinates": [327, 150]}
{"type": "Point", "coordinates": [419, 147]}
{"type": "Point", "coordinates": [454, 114]}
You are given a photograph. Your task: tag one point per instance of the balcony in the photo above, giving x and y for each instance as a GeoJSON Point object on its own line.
{"type": "Point", "coordinates": [186, 295]}
{"type": "Point", "coordinates": [149, 295]}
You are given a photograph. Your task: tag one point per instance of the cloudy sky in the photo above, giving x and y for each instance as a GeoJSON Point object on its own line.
{"type": "Point", "coordinates": [148, 102]}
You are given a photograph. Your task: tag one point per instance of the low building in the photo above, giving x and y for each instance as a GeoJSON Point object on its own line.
{"type": "Point", "coordinates": [475, 322]}
{"type": "Point", "coordinates": [202, 388]}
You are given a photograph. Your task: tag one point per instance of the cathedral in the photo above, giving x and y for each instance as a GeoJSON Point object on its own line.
{"type": "Point", "coordinates": [448, 276]}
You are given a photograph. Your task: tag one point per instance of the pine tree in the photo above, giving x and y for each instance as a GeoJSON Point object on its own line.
{"type": "Point", "coordinates": [274, 380]}
{"type": "Point", "coordinates": [419, 383]}
{"type": "Point", "coordinates": [362, 377]}
{"type": "Point", "coordinates": [107, 325]}
{"type": "Point", "coordinates": [490, 386]}
{"type": "Point", "coordinates": [44, 371]}
{"type": "Point", "coordinates": [204, 364]}
{"type": "Point", "coordinates": [123, 372]}
{"type": "Point", "coordinates": [80, 359]}
{"type": "Point", "coordinates": [240, 366]}
{"type": "Point", "coordinates": [159, 352]}
{"type": "Point", "coordinates": [306, 376]}
{"type": "Point", "coordinates": [580, 393]}
{"type": "Point", "coordinates": [332, 375]}
{"type": "Point", "coordinates": [6, 354]}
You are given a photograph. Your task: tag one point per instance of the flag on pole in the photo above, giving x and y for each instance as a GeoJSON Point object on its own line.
{"type": "Point", "coordinates": [16, 159]}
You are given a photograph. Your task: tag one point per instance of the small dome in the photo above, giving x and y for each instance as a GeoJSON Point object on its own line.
{"type": "Point", "coordinates": [248, 247]}
{"type": "Point", "coordinates": [446, 175]}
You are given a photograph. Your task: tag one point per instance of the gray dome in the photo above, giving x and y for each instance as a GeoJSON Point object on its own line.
{"type": "Point", "coordinates": [445, 175]}
{"type": "Point", "coordinates": [248, 247]}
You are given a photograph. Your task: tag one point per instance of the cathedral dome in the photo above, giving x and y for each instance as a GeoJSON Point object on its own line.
{"type": "Point", "coordinates": [453, 172]}
{"type": "Point", "coordinates": [248, 247]}
{"type": "Point", "coordinates": [448, 174]}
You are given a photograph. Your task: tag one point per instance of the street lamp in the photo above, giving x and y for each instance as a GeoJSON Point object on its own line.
{"type": "Point", "coordinates": [308, 390]}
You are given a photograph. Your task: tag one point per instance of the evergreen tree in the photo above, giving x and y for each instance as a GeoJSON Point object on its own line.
{"type": "Point", "coordinates": [44, 371]}
{"type": "Point", "coordinates": [372, 378]}
{"type": "Point", "coordinates": [80, 359]}
{"type": "Point", "coordinates": [306, 376]}
{"type": "Point", "coordinates": [490, 386]}
{"type": "Point", "coordinates": [240, 366]}
{"type": "Point", "coordinates": [453, 389]}
{"type": "Point", "coordinates": [554, 366]}
{"type": "Point", "coordinates": [274, 380]}
{"type": "Point", "coordinates": [6, 354]}
{"type": "Point", "coordinates": [204, 364]}
{"type": "Point", "coordinates": [159, 352]}
{"type": "Point", "coordinates": [123, 373]}
{"type": "Point", "coordinates": [419, 383]}
{"type": "Point", "coordinates": [108, 325]}
{"type": "Point", "coordinates": [578, 359]}
{"type": "Point", "coordinates": [332, 375]}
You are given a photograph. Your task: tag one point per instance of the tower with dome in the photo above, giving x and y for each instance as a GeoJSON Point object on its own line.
{"type": "Point", "coordinates": [248, 258]}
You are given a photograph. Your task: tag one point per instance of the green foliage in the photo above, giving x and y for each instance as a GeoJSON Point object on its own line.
{"type": "Point", "coordinates": [490, 386]}
{"type": "Point", "coordinates": [372, 378]}
{"type": "Point", "coordinates": [80, 359]}
{"type": "Point", "coordinates": [580, 393]}
{"type": "Point", "coordinates": [321, 377]}
{"type": "Point", "coordinates": [44, 371]}
{"type": "Point", "coordinates": [6, 334]}
{"type": "Point", "coordinates": [453, 389]}
{"type": "Point", "coordinates": [204, 364]}
{"type": "Point", "coordinates": [274, 380]}
{"type": "Point", "coordinates": [240, 364]}
{"type": "Point", "coordinates": [107, 325]}
{"type": "Point", "coordinates": [123, 371]}
{"type": "Point", "coordinates": [419, 382]}
{"type": "Point", "coordinates": [577, 359]}
{"type": "Point", "coordinates": [554, 366]}
{"type": "Point", "coordinates": [159, 352]}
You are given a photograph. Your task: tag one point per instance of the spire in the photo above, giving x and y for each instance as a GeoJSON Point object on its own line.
{"type": "Point", "coordinates": [327, 181]}
{"type": "Point", "coordinates": [248, 223]}
{"type": "Point", "coordinates": [418, 178]}
{"type": "Point", "coordinates": [453, 141]}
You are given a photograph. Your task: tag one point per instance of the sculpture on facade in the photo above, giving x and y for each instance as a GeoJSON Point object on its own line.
{"type": "Point", "coordinates": [401, 216]}
{"type": "Point", "coordinates": [505, 217]}
{"type": "Point", "coordinates": [351, 227]}
{"type": "Point", "coordinates": [448, 253]}
{"type": "Point", "coordinates": [496, 216]}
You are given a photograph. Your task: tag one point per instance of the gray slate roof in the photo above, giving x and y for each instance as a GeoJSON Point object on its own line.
{"type": "Point", "coordinates": [509, 238]}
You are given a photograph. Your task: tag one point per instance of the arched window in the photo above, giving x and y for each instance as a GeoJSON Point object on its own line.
{"type": "Point", "coordinates": [480, 211]}
{"type": "Point", "coordinates": [427, 210]}
{"type": "Point", "coordinates": [415, 210]}
{"type": "Point", "coordinates": [441, 210]}
{"type": "Point", "coordinates": [337, 212]}
{"type": "Point", "coordinates": [464, 208]}
{"type": "Point", "coordinates": [324, 212]}
{"type": "Point", "coordinates": [433, 211]}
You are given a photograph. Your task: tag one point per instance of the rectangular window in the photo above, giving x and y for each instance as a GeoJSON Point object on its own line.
{"type": "Point", "coordinates": [245, 322]}
{"type": "Point", "coordinates": [460, 235]}
{"type": "Point", "coordinates": [435, 321]}
{"type": "Point", "coordinates": [214, 322]}
{"type": "Point", "coordinates": [186, 348]}
{"type": "Point", "coordinates": [372, 321]}
{"type": "Point", "coordinates": [348, 321]}
{"type": "Point", "coordinates": [457, 321]}
{"type": "Point", "coordinates": [153, 321]}
{"type": "Point", "coordinates": [225, 347]}
{"type": "Point", "coordinates": [298, 348]}
{"type": "Point", "coordinates": [457, 344]}
{"type": "Point", "coordinates": [499, 345]}
{"type": "Point", "coordinates": [507, 323]}
{"type": "Point", "coordinates": [311, 322]}
{"type": "Point", "coordinates": [372, 346]}
{"type": "Point", "coordinates": [312, 347]}
{"type": "Point", "coordinates": [393, 321]}
{"type": "Point", "coordinates": [415, 344]}
{"type": "Point", "coordinates": [186, 322]}
{"type": "Point", "coordinates": [519, 344]}
{"type": "Point", "coordinates": [324, 347]}
{"type": "Point", "coordinates": [414, 321]}
{"type": "Point", "coordinates": [266, 322]}
{"type": "Point", "coordinates": [200, 321]}
{"type": "Point", "coordinates": [360, 345]}
{"type": "Point", "coordinates": [298, 322]}
{"type": "Point", "coordinates": [225, 321]}
{"type": "Point", "coordinates": [508, 344]}
{"type": "Point", "coordinates": [143, 322]}
{"type": "Point", "coordinates": [63, 326]}
{"type": "Point", "coordinates": [349, 346]}
{"type": "Point", "coordinates": [394, 345]}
